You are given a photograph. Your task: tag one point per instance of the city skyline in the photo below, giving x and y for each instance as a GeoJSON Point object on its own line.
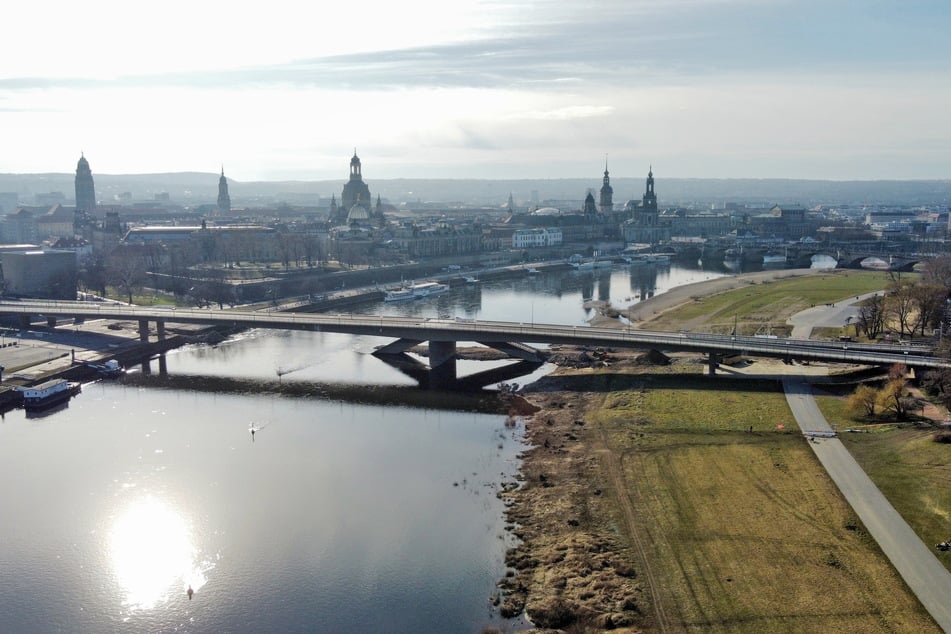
{"type": "Point", "coordinates": [483, 89]}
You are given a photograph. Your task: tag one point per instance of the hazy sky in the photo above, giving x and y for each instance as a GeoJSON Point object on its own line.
{"type": "Point", "coordinates": [835, 89]}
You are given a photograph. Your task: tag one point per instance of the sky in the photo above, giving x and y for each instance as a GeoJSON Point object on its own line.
{"type": "Point", "coordinates": [827, 89]}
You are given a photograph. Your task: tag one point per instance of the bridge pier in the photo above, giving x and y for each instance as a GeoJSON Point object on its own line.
{"type": "Point", "coordinates": [24, 322]}
{"type": "Point", "coordinates": [51, 322]}
{"type": "Point", "coordinates": [442, 364]}
{"type": "Point", "coordinates": [160, 330]}
{"type": "Point", "coordinates": [713, 360]}
{"type": "Point", "coordinates": [144, 330]}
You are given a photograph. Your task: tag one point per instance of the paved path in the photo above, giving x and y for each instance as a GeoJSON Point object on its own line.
{"type": "Point", "coordinates": [915, 562]}
{"type": "Point", "coordinates": [836, 315]}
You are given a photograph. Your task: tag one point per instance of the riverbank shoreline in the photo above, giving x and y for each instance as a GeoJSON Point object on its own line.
{"type": "Point", "coordinates": [580, 560]}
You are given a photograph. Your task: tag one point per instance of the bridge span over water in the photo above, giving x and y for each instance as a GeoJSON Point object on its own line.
{"type": "Point", "coordinates": [510, 337]}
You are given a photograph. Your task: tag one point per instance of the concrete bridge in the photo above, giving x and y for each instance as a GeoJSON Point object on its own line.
{"type": "Point", "coordinates": [510, 337]}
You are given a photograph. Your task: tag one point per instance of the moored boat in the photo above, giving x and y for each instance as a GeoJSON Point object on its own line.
{"type": "Point", "coordinates": [425, 289]}
{"type": "Point", "coordinates": [399, 294]}
{"type": "Point", "coordinates": [48, 394]}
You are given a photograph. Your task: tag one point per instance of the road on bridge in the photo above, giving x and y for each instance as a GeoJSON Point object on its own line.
{"type": "Point", "coordinates": [915, 562]}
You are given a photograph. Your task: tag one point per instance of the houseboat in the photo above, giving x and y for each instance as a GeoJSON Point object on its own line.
{"type": "Point", "coordinates": [48, 394]}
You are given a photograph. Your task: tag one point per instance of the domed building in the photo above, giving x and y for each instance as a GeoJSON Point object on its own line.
{"type": "Point", "coordinates": [358, 215]}
{"type": "Point", "coordinates": [355, 190]}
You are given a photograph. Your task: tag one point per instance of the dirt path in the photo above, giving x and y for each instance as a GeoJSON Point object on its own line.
{"type": "Point", "coordinates": [615, 473]}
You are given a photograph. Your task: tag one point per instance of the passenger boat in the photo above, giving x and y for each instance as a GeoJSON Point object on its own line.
{"type": "Point", "coordinates": [48, 394]}
{"type": "Point", "coordinates": [425, 289]}
{"type": "Point", "coordinates": [415, 291]}
{"type": "Point", "coordinates": [399, 295]}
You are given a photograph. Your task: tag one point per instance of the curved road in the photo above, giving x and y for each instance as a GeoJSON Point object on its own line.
{"type": "Point", "coordinates": [840, 314]}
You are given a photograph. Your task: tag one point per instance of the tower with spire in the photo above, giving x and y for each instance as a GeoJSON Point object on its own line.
{"type": "Point", "coordinates": [606, 204]}
{"type": "Point", "coordinates": [649, 201]}
{"type": "Point", "coordinates": [355, 191]}
{"type": "Point", "coordinates": [85, 188]}
{"type": "Point", "coordinates": [645, 225]}
{"type": "Point", "coordinates": [224, 199]}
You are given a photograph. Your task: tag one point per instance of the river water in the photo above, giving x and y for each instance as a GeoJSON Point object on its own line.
{"type": "Point", "coordinates": [339, 514]}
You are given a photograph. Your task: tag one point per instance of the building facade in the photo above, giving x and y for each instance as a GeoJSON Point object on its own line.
{"type": "Point", "coordinates": [40, 274]}
{"type": "Point", "coordinates": [540, 237]}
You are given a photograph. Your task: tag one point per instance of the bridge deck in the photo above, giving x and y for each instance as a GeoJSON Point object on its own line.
{"type": "Point", "coordinates": [423, 329]}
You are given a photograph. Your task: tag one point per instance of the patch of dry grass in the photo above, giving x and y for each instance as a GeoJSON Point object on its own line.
{"type": "Point", "coordinates": [913, 472]}
{"type": "Point", "coordinates": [746, 530]}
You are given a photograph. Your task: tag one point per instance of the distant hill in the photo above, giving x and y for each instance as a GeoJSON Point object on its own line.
{"type": "Point", "coordinates": [193, 188]}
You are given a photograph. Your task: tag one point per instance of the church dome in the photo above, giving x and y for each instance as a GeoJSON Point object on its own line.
{"type": "Point", "coordinates": [358, 213]}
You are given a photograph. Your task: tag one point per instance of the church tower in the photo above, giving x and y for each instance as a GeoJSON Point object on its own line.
{"type": "Point", "coordinates": [589, 210]}
{"type": "Point", "coordinates": [85, 189]}
{"type": "Point", "coordinates": [224, 199]}
{"type": "Point", "coordinates": [378, 214]}
{"type": "Point", "coordinates": [606, 204]}
{"type": "Point", "coordinates": [355, 191]}
{"type": "Point", "coordinates": [649, 202]}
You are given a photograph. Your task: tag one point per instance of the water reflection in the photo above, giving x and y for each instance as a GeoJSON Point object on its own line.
{"type": "Point", "coordinates": [152, 554]}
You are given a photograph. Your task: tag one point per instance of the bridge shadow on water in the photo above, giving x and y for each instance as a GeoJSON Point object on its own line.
{"type": "Point", "coordinates": [483, 401]}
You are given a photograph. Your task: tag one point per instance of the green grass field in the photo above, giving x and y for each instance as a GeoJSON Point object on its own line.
{"type": "Point", "coordinates": [770, 303]}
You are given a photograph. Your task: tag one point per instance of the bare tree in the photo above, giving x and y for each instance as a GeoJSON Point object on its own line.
{"type": "Point", "coordinates": [126, 271]}
{"type": "Point", "coordinates": [871, 317]}
{"type": "Point", "coordinates": [931, 303]}
{"type": "Point", "coordinates": [893, 398]}
{"type": "Point", "coordinates": [901, 302]}
{"type": "Point", "coordinates": [937, 271]}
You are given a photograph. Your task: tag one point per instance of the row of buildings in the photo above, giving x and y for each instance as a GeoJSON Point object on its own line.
{"type": "Point", "coordinates": [358, 230]}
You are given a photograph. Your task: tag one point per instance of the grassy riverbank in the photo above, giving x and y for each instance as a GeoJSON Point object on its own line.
{"type": "Point", "coordinates": [664, 500]}
{"type": "Point", "coordinates": [907, 466]}
{"type": "Point", "coordinates": [758, 303]}
{"type": "Point", "coordinates": [745, 528]}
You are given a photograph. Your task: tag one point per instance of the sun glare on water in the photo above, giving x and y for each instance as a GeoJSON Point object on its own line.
{"type": "Point", "coordinates": [152, 554]}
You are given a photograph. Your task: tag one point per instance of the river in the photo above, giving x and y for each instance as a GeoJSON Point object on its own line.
{"type": "Point", "coordinates": [339, 514]}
